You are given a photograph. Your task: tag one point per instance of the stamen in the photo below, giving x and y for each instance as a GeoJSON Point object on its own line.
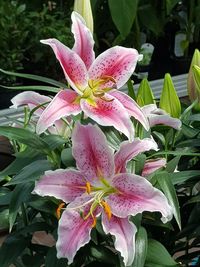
{"type": "Point", "coordinates": [88, 187]}
{"type": "Point", "coordinates": [58, 211]}
{"type": "Point", "coordinates": [108, 78]}
{"type": "Point", "coordinates": [107, 209]}
{"type": "Point", "coordinates": [94, 222]}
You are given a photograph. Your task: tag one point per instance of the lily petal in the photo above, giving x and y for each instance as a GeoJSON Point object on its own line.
{"type": "Point", "coordinates": [62, 105]}
{"type": "Point", "coordinates": [124, 232]}
{"type": "Point", "coordinates": [127, 151]}
{"type": "Point", "coordinates": [93, 156]}
{"type": "Point", "coordinates": [165, 120]}
{"type": "Point", "coordinates": [30, 98]}
{"type": "Point", "coordinates": [109, 112]}
{"type": "Point", "coordinates": [151, 166]}
{"type": "Point", "coordinates": [159, 116]}
{"type": "Point", "coordinates": [117, 62]}
{"type": "Point", "coordinates": [73, 233]}
{"type": "Point", "coordinates": [135, 195]}
{"type": "Point", "coordinates": [132, 107]}
{"type": "Point", "coordinates": [84, 42]}
{"type": "Point", "coordinates": [72, 65]}
{"type": "Point", "coordinates": [62, 184]}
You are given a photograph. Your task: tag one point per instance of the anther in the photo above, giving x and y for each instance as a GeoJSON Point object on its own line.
{"type": "Point", "coordinates": [58, 210]}
{"type": "Point", "coordinates": [107, 209]}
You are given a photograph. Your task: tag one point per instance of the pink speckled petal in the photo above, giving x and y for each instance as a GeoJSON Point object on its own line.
{"type": "Point", "coordinates": [109, 113]}
{"type": "Point", "coordinates": [62, 184]}
{"type": "Point", "coordinates": [132, 107]}
{"type": "Point", "coordinates": [84, 42]}
{"type": "Point", "coordinates": [93, 156]}
{"type": "Point", "coordinates": [135, 195]}
{"type": "Point", "coordinates": [128, 151]}
{"type": "Point", "coordinates": [148, 109]}
{"type": "Point", "coordinates": [30, 98]}
{"type": "Point", "coordinates": [62, 105]}
{"type": "Point", "coordinates": [152, 165]}
{"type": "Point", "coordinates": [72, 65]}
{"type": "Point", "coordinates": [73, 233]}
{"type": "Point", "coordinates": [164, 120]}
{"type": "Point", "coordinates": [117, 62]}
{"type": "Point", "coordinates": [124, 233]}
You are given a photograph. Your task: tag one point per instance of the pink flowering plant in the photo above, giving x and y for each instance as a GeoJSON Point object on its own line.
{"type": "Point", "coordinates": [92, 169]}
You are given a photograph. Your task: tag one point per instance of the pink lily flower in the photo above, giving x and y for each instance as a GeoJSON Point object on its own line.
{"type": "Point", "coordinates": [93, 81]}
{"type": "Point", "coordinates": [153, 165]}
{"type": "Point", "coordinates": [101, 186]}
{"type": "Point", "coordinates": [159, 116]}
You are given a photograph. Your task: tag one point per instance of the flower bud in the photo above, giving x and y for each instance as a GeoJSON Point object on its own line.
{"type": "Point", "coordinates": [192, 87]}
{"type": "Point", "coordinates": [83, 7]}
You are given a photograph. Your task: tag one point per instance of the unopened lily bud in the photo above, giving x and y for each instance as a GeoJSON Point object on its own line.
{"type": "Point", "coordinates": [83, 7]}
{"type": "Point", "coordinates": [193, 91]}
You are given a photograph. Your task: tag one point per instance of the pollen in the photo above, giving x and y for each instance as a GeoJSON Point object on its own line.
{"type": "Point", "coordinates": [107, 209]}
{"type": "Point", "coordinates": [58, 210]}
{"type": "Point", "coordinates": [88, 187]}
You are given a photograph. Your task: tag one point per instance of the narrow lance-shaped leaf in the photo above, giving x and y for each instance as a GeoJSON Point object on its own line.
{"type": "Point", "coordinates": [169, 100]}
{"type": "Point", "coordinates": [141, 245]}
{"type": "Point", "coordinates": [123, 14]}
{"type": "Point", "coordinates": [145, 95]}
{"type": "Point", "coordinates": [35, 77]}
{"type": "Point", "coordinates": [167, 186]}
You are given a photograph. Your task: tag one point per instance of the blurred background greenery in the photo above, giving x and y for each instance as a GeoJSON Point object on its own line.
{"type": "Point", "coordinates": [129, 23]}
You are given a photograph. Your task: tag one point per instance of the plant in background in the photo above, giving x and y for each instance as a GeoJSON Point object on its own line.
{"type": "Point", "coordinates": [96, 186]}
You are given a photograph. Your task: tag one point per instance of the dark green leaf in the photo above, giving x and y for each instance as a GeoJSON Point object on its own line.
{"type": "Point", "coordinates": [103, 254]}
{"type": "Point", "coordinates": [182, 176]}
{"type": "Point", "coordinates": [35, 77]}
{"type": "Point", "coordinates": [4, 219]}
{"type": "Point", "coordinates": [54, 141]}
{"type": "Point", "coordinates": [167, 187]}
{"type": "Point", "coordinates": [67, 158]}
{"type": "Point", "coordinates": [172, 164]}
{"type": "Point", "coordinates": [157, 254]}
{"type": "Point", "coordinates": [170, 4]}
{"type": "Point", "coordinates": [123, 14]}
{"type": "Point", "coordinates": [31, 172]}
{"type": "Point", "coordinates": [43, 205]}
{"type": "Point", "coordinates": [53, 261]}
{"type": "Point", "coordinates": [23, 136]}
{"type": "Point", "coordinates": [12, 247]}
{"type": "Point", "coordinates": [21, 193]}
{"type": "Point", "coordinates": [141, 245]}
{"type": "Point", "coordinates": [32, 88]}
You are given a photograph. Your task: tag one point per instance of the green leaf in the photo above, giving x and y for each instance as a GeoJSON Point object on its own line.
{"type": "Point", "coordinates": [43, 205]}
{"type": "Point", "coordinates": [31, 172]}
{"type": "Point", "coordinates": [172, 164]}
{"type": "Point", "coordinates": [103, 254]}
{"type": "Point", "coordinates": [189, 131]}
{"type": "Point", "coordinates": [23, 136]}
{"type": "Point", "coordinates": [141, 245]}
{"type": "Point", "coordinates": [169, 100]}
{"type": "Point", "coordinates": [20, 194]}
{"type": "Point", "coordinates": [145, 95]}
{"type": "Point", "coordinates": [54, 141]}
{"type": "Point", "coordinates": [170, 4]}
{"type": "Point", "coordinates": [123, 14]}
{"type": "Point", "coordinates": [131, 91]}
{"type": "Point", "coordinates": [12, 247]}
{"type": "Point", "coordinates": [4, 219]}
{"type": "Point", "coordinates": [35, 77]}
{"type": "Point", "coordinates": [67, 158]}
{"type": "Point", "coordinates": [183, 176]}
{"type": "Point", "coordinates": [32, 88]}
{"type": "Point", "coordinates": [157, 254]}
{"type": "Point", "coordinates": [189, 143]}
{"type": "Point", "coordinates": [52, 261]}
{"type": "Point", "coordinates": [167, 187]}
